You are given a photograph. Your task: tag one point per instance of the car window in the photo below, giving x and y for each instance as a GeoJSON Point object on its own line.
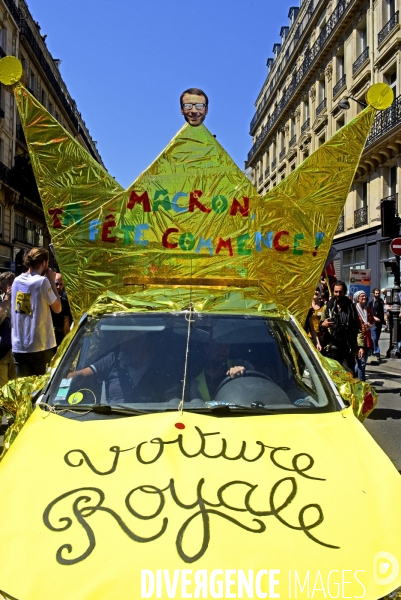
{"type": "Point", "coordinates": [156, 361]}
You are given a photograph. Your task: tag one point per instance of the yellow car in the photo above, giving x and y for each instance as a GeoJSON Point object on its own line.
{"type": "Point", "coordinates": [185, 453]}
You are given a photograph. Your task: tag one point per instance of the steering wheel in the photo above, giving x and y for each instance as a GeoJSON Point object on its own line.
{"type": "Point", "coordinates": [246, 374]}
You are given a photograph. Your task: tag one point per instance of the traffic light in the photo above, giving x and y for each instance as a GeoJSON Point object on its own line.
{"type": "Point", "coordinates": [389, 219]}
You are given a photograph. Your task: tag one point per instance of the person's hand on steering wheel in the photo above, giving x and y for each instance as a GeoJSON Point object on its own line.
{"type": "Point", "coordinates": [234, 372]}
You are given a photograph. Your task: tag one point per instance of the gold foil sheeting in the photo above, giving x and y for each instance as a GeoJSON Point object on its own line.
{"type": "Point", "coordinates": [191, 215]}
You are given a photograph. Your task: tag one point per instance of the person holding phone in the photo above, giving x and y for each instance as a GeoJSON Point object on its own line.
{"type": "Point", "coordinates": [32, 295]}
{"type": "Point", "coordinates": [342, 337]}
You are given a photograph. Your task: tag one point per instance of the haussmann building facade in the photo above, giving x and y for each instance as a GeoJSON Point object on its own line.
{"type": "Point", "coordinates": [22, 222]}
{"type": "Point", "coordinates": [328, 51]}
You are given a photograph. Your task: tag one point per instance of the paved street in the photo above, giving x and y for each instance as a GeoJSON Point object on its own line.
{"type": "Point", "coordinates": [384, 424]}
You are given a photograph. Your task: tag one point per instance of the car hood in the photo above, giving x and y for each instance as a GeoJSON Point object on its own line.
{"type": "Point", "coordinates": [94, 510]}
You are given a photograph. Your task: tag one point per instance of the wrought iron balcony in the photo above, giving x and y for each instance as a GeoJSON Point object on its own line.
{"type": "Point", "coordinates": [362, 58]}
{"type": "Point", "coordinates": [267, 172]}
{"type": "Point", "coordinates": [13, 10]}
{"type": "Point", "coordinates": [273, 164]}
{"type": "Point", "coordinates": [361, 216]}
{"type": "Point", "coordinates": [340, 226]}
{"type": "Point", "coordinates": [385, 120]}
{"type": "Point", "coordinates": [321, 107]}
{"type": "Point", "coordinates": [305, 126]}
{"type": "Point", "coordinates": [339, 85]}
{"type": "Point", "coordinates": [293, 140]}
{"type": "Point", "coordinates": [388, 28]}
{"type": "Point", "coordinates": [311, 56]}
{"type": "Point", "coordinates": [282, 153]}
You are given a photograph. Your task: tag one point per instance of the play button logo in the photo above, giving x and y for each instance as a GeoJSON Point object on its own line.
{"type": "Point", "coordinates": [385, 568]}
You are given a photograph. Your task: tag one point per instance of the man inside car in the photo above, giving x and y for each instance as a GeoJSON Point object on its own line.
{"type": "Point", "coordinates": [132, 373]}
{"type": "Point", "coordinates": [218, 367]}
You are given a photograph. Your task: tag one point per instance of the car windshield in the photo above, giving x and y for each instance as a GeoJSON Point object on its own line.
{"type": "Point", "coordinates": [153, 363]}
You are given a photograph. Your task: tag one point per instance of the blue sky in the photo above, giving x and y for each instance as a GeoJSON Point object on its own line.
{"type": "Point", "coordinates": [125, 62]}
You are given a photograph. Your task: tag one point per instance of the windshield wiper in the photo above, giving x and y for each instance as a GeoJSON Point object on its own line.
{"type": "Point", "coordinates": [100, 409]}
{"type": "Point", "coordinates": [254, 408]}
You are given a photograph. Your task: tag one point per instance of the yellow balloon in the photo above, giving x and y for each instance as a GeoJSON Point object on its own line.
{"type": "Point", "coordinates": [76, 398]}
{"type": "Point", "coordinates": [380, 96]}
{"type": "Point", "coordinates": [10, 70]}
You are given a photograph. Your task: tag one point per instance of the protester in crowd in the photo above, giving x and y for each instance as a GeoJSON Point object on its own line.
{"type": "Point", "coordinates": [376, 304]}
{"type": "Point", "coordinates": [62, 320]}
{"type": "Point", "coordinates": [368, 323]}
{"type": "Point", "coordinates": [312, 323]}
{"type": "Point", "coordinates": [341, 328]}
{"type": "Point", "coordinates": [33, 292]}
{"type": "Point", "coordinates": [7, 367]}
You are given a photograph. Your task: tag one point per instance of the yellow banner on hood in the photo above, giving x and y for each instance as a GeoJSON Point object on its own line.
{"type": "Point", "coordinates": [184, 505]}
{"type": "Point", "coordinates": [192, 217]}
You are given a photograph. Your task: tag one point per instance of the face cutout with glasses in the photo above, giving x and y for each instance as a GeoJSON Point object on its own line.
{"type": "Point", "coordinates": [194, 109]}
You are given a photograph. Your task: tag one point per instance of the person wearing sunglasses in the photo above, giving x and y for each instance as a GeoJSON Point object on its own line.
{"type": "Point", "coordinates": [194, 106]}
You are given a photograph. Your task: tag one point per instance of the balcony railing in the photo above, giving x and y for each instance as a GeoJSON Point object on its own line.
{"type": "Point", "coordinates": [385, 120]}
{"type": "Point", "coordinates": [30, 38]}
{"type": "Point", "coordinates": [273, 164]}
{"type": "Point", "coordinates": [310, 58]}
{"type": "Point", "coordinates": [305, 126]}
{"type": "Point", "coordinates": [388, 28]}
{"type": "Point", "coordinates": [282, 153]}
{"type": "Point", "coordinates": [362, 58]}
{"type": "Point", "coordinates": [267, 172]}
{"type": "Point", "coordinates": [321, 107]}
{"type": "Point", "coordinates": [339, 85]}
{"type": "Point", "coordinates": [340, 226]}
{"type": "Point", "coordinates": [293, 140]}
{"type": "Point", "coordinates": [13, 10]}
{"type": "Point", "coordinates": [361, 216]}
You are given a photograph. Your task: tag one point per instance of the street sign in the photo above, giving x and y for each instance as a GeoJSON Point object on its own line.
{"type": "Point", "coordinates": [359, 279]}
{"type": "Point", "coordinates": [396, 246]}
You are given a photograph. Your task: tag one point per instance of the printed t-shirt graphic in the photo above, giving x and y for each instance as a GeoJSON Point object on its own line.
{"type": "Point", "coordinates": [23, 304]}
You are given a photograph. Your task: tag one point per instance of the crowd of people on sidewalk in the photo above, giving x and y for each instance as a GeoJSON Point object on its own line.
{"type": "Point", "coordinates": [344, 328]}
{"type": "Point", "coordinates": [34, 317]}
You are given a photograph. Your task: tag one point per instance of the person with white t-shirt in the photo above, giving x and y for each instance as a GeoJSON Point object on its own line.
{"type": "Point", "coordinates": [32, 295]}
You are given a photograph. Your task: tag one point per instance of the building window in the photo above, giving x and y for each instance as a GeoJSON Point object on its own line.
{"type": "Point", "coordinates": [3, 38]}
{"type": "Point", "coordinates": [32, 82]}
{"type": "Point", "coordinates": [386, 279]}
{"type": "Point", "coordinates": [322, 139]}
{"type": "Point", "coordinates": [391, 79]}
{"type": "Point", "coordinates": [1, 221]}
{"type": "Point", "coordinates": [391, 8]}
{"type": "Point", "coordinates": [340, 123]}
{"type": "Point", "coordinates": [340, 66]}
{"type": "Point", "coordinates": [393, 180]}
{"type": "Point", "coordinates": [50, 108]}
{"type": "Point", "coordinates": [352, 259]}
{"type": "Point", "coordinates": [43, 97]}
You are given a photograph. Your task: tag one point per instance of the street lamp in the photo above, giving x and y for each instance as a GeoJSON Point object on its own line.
{"type": "Point", "coordinates": [345, 105]}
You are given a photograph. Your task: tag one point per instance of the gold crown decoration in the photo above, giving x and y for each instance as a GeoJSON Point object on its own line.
{"type": "Point", "coordinates": [192, 218]}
